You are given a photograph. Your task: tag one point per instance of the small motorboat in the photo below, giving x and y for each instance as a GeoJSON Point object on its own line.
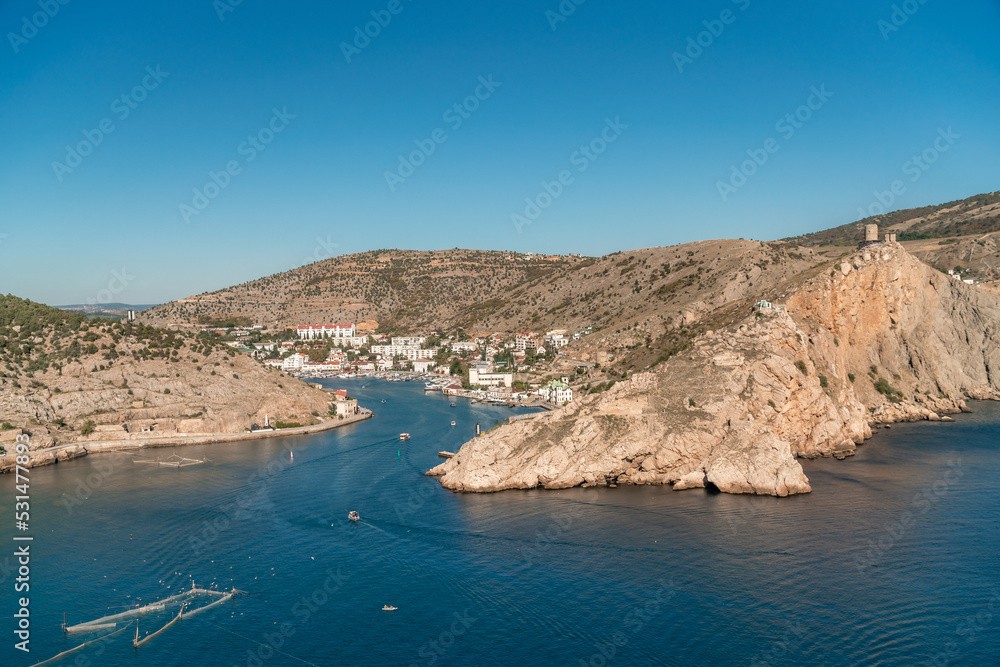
{"type": "Point", "coordinates": [453, 422]}
{"type": "Point", "coordinates": [386, 607]}
{"type": "Point", "coordinates": [452, 405]}
{"type": "Point", "coordinates": [353, 516]}
{"type": "Point", "coordinates": [404, 436]}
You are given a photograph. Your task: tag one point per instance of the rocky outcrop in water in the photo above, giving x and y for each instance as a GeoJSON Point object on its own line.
{"type": "Point", "coordinates": [879, 337]}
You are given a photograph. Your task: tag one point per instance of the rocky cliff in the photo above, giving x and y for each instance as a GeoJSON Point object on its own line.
{"type": "Point", "coordinates": [877, 337]}
{"type": "Point", "coordinates": [66, 379]}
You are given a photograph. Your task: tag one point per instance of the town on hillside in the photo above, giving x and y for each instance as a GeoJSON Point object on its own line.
{"type": "Point", "coordinates": [510, 369]}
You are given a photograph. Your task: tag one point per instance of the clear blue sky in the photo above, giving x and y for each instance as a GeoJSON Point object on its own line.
{"type": "Point", "coordinates": [323, 176]}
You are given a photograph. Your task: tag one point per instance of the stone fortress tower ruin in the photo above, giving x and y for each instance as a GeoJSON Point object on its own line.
{"type": "Point", "coordinates": [871, 237]}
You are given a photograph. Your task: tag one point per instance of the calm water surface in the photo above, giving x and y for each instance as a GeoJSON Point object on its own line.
{"type": "Point", "coordinates": [894, 559]}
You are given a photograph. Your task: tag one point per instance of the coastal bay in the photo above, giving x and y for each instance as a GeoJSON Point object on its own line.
{"type": "Point", "coordinates": [556, 576]}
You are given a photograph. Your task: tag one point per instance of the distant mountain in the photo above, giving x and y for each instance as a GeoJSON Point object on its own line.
{"type": "Point", "coordinates": [639, 301]}
{"type": "Point", "coordinates": [106, 307]}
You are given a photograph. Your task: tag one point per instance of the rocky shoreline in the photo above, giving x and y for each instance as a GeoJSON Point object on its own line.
{"type": "Point", "coordinates": [66, 452]}
{"type": "Point", "coordinates": [877, 338]}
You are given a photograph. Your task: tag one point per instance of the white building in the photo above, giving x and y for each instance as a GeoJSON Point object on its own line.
{"type": "Point", "coordinates": [294, 362]}
{"type": "Point", "coordinates": [314, 331]}
{"type": "Point", "coordinates": [423, 366]}
{"type": "Point", "coordinates": [556, 341]}
{"type": "Point", "coordinates": [464, 346]}
{"type": "Point", "coordinates": [526, 341]}
{"type": "Point", "coordinates": [556, 392]}
{"type": "Point", "coordinates": [408, 341]}
{"type": "Point", "coordinates": [483, 375]}
{"type": "Point", "coordinates": [350, 341]}
{"type": "Point", "coordinates": [500, 394]}
{"type": "Point", "coordinates": [345, 407]}
{"type": "Point", "coordinates": [408, 352]}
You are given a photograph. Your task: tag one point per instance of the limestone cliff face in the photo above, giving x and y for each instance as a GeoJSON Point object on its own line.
{"type": "Point", "coordinates": [218, 393]}
{"type": "Point", "coordinates": [880, 337]}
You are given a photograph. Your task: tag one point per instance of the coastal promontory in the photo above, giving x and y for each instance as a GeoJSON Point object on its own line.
{"type": "Point", "coordinates": [875, 337]}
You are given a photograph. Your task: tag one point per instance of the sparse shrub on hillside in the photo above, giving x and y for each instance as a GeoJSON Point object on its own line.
{"type": "Point", "coordinates": [801, 365]}
{"type": "Point", "coordinates": [883, 387]}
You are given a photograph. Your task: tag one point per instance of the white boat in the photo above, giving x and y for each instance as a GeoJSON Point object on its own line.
{"type": "Point", "coordinates": [452, 423]}
{"type": "Point", "coordinates": [386, 607]}
{"type": "Point", "coordinates": [404, 436]}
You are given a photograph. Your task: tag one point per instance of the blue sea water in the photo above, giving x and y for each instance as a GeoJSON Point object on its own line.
{"type": "Point", "coordinates": [894, 559]}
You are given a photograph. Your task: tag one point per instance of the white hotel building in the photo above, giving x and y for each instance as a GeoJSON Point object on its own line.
{"type": "Point", "coordinates": [314, 331]}
{"type": "Point", "coordinates": [410, 352]}
{"type": "Point", "coordinates": [408, 341]}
